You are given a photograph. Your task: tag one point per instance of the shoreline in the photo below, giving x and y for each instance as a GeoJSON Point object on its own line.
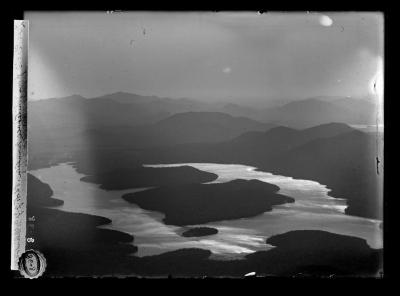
{"type": "Point", "coordinates": [332, 189]}
{"type": "Point", "coordinates": [198, 262]}
{"type": "Point", "coordinates": [225, 223]}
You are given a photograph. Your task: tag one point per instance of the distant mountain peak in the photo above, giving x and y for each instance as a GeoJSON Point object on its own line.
{"type": "Point", "coordinates": [339, 125]}
{"type": "Point", "coordinates": [282, 129]}
{"type": "Point", "coordinates": [193, 117]}
{"type": "Point", "coordinates": [199, 114]}
{"type": "Point", "coordinates": [74, 97]}
{"type": "Point", "coordinates": [307, 101]}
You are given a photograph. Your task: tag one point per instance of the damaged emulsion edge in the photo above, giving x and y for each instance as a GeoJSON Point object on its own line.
{"type": "Point", "coordinates": [19, 158]}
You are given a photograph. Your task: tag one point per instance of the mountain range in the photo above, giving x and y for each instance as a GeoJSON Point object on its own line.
{"type": "Point", "coordinates": [124, 130]}
{"type": "Point", "coordinates": [333, 154]}
{"type": "Point", "coordinates": [122, 108]}
{"type": "Point", "coordinates": [144, 121]}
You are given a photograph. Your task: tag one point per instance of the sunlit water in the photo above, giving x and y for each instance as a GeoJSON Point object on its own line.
{"type": "Point", "coordinates": [313, 209]}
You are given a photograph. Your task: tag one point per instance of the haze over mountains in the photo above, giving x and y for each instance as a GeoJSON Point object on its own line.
{"type": "Point", "coordinates": [314, 111]}
{"type": "Point", "coordinates": [124, 130]}
{"type": "Point", "coordinates": [188, 127]}
{"type": "Point", "coordinates": [130, 109]}
{"type": "Point", "coordinates": [143, 121]}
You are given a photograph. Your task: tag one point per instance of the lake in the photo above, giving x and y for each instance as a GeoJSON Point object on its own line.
{"type": "Point", "coordinates": [313, 209]}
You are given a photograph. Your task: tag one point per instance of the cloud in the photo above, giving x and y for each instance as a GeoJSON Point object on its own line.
{"type": "Point", "coordinates": [227, 70]}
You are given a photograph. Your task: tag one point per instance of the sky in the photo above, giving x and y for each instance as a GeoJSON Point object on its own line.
{"type": "Point", "coordinates": [222, 56]}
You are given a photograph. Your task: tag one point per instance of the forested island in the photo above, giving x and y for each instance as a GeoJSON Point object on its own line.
{"type": "Point", "coordinates": [201, 203]}
{"type": "Point", "coordinates": [199, 231]}
{"type": "Point", "coordinates": [148, 177]}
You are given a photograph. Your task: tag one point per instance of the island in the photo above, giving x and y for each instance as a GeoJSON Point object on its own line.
{"type": "Point", "coordinates": [193, 204]}
{"type": "Point", "coordinates": [199, 231]}
{"type": "Point", "coordinates": [74, 245]}
{"type": "Point", "coordinates": [138, 177]}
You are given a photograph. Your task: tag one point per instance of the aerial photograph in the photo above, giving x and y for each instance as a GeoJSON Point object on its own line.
{"type": "Point", "coordinates": [206, 144]}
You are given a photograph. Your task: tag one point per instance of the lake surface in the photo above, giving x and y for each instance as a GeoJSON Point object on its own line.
{"type": "Point", "coordinates": [313, 209]}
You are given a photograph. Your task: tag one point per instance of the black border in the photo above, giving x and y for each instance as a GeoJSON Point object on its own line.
{"type": "Point", "coordinates": [390, 199]}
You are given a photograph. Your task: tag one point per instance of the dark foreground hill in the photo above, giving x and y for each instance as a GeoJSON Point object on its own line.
{"type": "Point", "coordinates": [297, 253]}
{"type": "Point", "coordinates": [201, 203]}
{"type": "Point", "coordinates": [40, 194]}
{"type": "Point", "coordinates": [316, 253]}
{"type": "Point", "coordinates": [72, 241]}
{"type": "Point", "coordinates": [341, 256]}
